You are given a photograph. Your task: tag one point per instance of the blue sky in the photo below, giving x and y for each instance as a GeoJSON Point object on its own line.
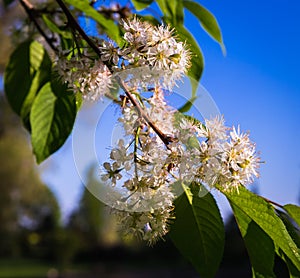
{"type": "Point", "coordinates": [256, 85]}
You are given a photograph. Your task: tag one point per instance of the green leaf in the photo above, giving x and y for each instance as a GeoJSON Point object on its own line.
{"type": "Point", "coordinates": [28, 69]}
{"type": "Point", "coordinates": [188, 105]}
{"type": "Point", "coordinates": [108, 25]}
{"type": "Point", "coordinates": [149, 18]}
{"type": "Point", "coordinates": [293, 231]}
{"type": "Point", "coordinates": [141, 4]}
{"type": "Point", "coordinates": [198, 231]}
{"type": "Point", "coordinates": [295, 235]}
{"type": "Point", "coordinates": [263, 214]}
{"type": "Point", "coordinates": [178, 117]}
{"type": "Point", "coordinates": [52, 118]}
{"type": "Point", "coordinates": [78, 98]}
{"type": "Point", "coordinates": [197, 61]}
{"type": "Point", "coordinates": [55, 29]}
{"type": "Point", "coordinates": [294, 212]}
{"type": "Point", "coordinates": [207, 21]}
{"type": "Point", "coordinates": [293, 271]}
{"type": "Point", "coordinates": [172, 10]}
{"type": "Point", "coordinates": [259, 245]}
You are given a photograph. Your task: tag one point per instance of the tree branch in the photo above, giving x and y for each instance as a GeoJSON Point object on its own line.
{"type": "Point", "coordinates": [273, 203]}
{"type": "Point", "coordinates": [166, 139]}
{"type": "Point", "coordinates": [74, 24]}
{"type": "Point", "coordinates": [29, 9]}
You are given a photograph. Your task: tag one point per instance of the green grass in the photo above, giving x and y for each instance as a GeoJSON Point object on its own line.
{"type": "Point", "coordinates": [21, 268]}
{"type": "Point", "coordinates": [27, 268]}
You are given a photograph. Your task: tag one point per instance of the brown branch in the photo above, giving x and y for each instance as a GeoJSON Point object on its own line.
{"type": "Point", "coordinates": [272, 202]}
{"type": "Point", "coordinates": [123, 12]}
{"type": "Point", "coordinates": [74, 24]}
{"type": "Point", "coordinates": [166, 139]}
{"type": "Point", "coordinates": [29, 9]}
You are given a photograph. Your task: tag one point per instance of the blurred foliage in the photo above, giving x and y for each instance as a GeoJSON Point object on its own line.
{"type": "Point", "coordinates": [29, 214]}
{"type": "Point", "coordinates": [28, 209]}
{"type": "Point", "coordinates": [92, 224]}
{"type": "Point", "coordinates": [8, 18]}
{"type": "Point", "coordinates": [30, 225]}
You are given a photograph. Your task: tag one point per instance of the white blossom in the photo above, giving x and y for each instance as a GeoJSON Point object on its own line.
{"type": "Point", "coordinates": [178, 149]}
{"type": "Point", "coordinates": [109, 52]}
{"type": "Point", "coordinates": [164, 60]}
{"type": "Point", "coordinates": [112, 172]}
{"type": "Point", "coordinates": [149, 225]}
{"type": "Point", "coordinates": [97, 82]}
{"type": "Point", "coordinates": [90, 78]}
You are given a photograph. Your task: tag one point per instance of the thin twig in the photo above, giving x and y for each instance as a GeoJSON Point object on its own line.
{"type": "Point", "coordinates": [123, 12]}
{"type": "Point", "coordinates": [28, 7]}
{"type": "Point", "coordinates": [166, 139]}
{"type": "Point", "coordinates": [272, 202]}
{"type": "Point", "coordinates": [73, 23]}
{"type": "Point", "coordinates": [137, 134]}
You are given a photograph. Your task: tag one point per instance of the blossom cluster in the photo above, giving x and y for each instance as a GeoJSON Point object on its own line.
{"type": "Point", "coordinates": [154, 48]}
{"type": "Point", "coordinates": [161, 148]}
{"type": "Point", "coordinates": [91, 78]}
{"type": "Point", "coordinates": [218, 155]}
{"type": "Point", "coordinates": [208, 154]}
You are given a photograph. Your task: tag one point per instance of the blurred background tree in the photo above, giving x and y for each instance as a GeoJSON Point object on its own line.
{"type": "Point", "coordinates": [9, 17]}
{"type": "Point", "coordinates": [30, 217]}
{"type": "Point", "coordinates": [28, 209]}
{"type": "Point", "coordinates": [31, 224]}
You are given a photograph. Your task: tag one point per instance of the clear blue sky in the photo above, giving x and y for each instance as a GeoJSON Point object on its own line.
{"type": "Point", "coordinates": [257, 85]}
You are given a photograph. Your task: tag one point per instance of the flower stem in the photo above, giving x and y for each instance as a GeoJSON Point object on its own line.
{"type": "Point", "coordinates": [74, 24]}
{"type": "Point", "coordinates": [136, 143]}
{"type": "Point", "coordinates": [166, 139]}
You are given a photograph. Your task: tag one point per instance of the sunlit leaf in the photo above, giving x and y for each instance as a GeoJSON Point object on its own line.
{"type": "Point", "coordinates": [198, 230]}
{"type": "Point", "coordinates": [108, 25]}
{"type": "Point", "coordinates": [263, 214]}
{"type": "Point", "coordinates": [55, 29]}
{"type": "Point", "coordinates": [197, 61]}
{"type": "Point", "coordinates": [28, 69]}
{"type": "Point", "coordinates": [141, 4]}
{"type": "Point", "coordinates": [178, 117]}
{"type": "Point", "coordinates": [294, 212]}
{"type": "Point", "coordinates": [207, 21]}
{"type": "Point", "coordinates": [172, 11]}
{"type": "Point", "coordinates": [79, 101]}
{"type": "Point", "coordinates": [188, 105]}
{"type": "Point", "coordinates": [52, 118]}
{"type": "Point", "coordinates": [149, 18]}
